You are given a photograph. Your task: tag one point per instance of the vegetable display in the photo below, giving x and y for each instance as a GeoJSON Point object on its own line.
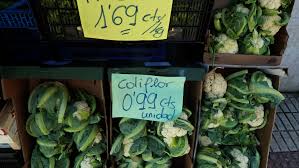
{"type": "Point", "coordinates": [248, 26]}
{"type": "Point", "coordinates": [62, 121]}
{"type": "Point", "coordinates": [231, 119]}
{"type": "Point", "coordinates": [151, 144]}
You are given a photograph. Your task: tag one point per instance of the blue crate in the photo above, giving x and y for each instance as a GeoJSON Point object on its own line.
{"type": "Point", "coordinates": [15, 18]}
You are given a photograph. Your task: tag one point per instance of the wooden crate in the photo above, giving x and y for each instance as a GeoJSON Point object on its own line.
{"type": "Point", "coordinates": [19, 82]}
{"type": "Point", "coordinates": [264, 135]}
{"type": "Point", "coordinates": [192, 100]}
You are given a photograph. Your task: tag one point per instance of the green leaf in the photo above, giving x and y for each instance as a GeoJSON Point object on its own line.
{"type": "Point", "coordinates": [155, 145]}
{"type": "Point", "coordinates": [186, 125]}
{"type": "Point", "coordinates": [139, 146]}
{"type": "Point", "coordinates": [178, 146]}
{"type": "Point", "coordinates": [117, 145]}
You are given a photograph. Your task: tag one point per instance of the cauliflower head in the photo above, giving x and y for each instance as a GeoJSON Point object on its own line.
{"type": "Point", "coordinates": [87, 162]}
{"type": "Point", "coordinates": [259, 112]}
{"type": "Point", "coordinates": [226, 44]}
{"type": "Point", "coordinates": [98, 138]}
{"type": "Point", "coordinates": [169, 131]}
{"type": "Point", "coordinates": [240, 157]}
{"type": "Point", "coordinates": [215, 85]}
{"type": "Point", "coordinates": [270, 25]}
{"type": "Point", "coordinates": [217, 119]}
{"type": "Point", "coordinates": [82, 110]}
{"type": "Point", "coordinates": [270, 4]}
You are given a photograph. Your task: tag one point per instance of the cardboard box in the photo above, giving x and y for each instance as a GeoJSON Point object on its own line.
{"type": "Point", "coordinates": [21, 81]}
{"type": "Point", "coordinates": [192, 100]}
{"type": "Point", "coordinates": [264, 135]}
{"type": "Point", "coordinates": [277, 49]}
{"type": "Point", "coordinates": [8, 127]}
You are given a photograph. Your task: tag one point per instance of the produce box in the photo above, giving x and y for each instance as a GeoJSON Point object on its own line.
{"type": "Point", "coordinates": [263, 134]}
{"type": "Point", "coordinates": [18, 82]}
{"type": "Point", "coordinates": [247, 57]}
{"type": "Point", "coordinates": [192, 100]}
{"type": "Point", "coordinates": [8, 127]}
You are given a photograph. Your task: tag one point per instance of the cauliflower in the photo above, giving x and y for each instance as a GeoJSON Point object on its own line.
{"type": "Point", "coordinates": [253, 43]}
{"type": "Point", "coordinates": [82, 110]}
{"type": "Point", "coordinates": [270, 25]}
{"type": "Point", "coordinates": [218, 117]}
{"type": "Point", "coordinates": [98, 138]}
{"type": "Point", "coordinates": [270, 4]}
{"type": "Point", "coordinates": [215, 85]}
{"type": "Point", "coordinates": [205, 141]}
{"type": "Point", "coordinates": [241, 8]}
{"type": "Point", "coordinates": [259, 112]}
{"type": "Point", "coordinates": [86, 162]}
{"type": "Point", "coordinates": [242, 159]}
{"type": "Point", "coordinates": [226, 44]}
{"type": "Point", "coordinates": [169, 131]}
{"type": "Point", "coordinates": [127, 148]}
{"type": "Point", "coordinates": [184, 116]}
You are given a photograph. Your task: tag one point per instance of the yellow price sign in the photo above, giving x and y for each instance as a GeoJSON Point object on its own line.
{"type": "Point", "coordinates": [125, 20]}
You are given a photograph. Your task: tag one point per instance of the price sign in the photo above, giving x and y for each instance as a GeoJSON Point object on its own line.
{"type": "Point", "coordinates": [147, 97]}
{"type": "Point", "coordinates": [125, 20]}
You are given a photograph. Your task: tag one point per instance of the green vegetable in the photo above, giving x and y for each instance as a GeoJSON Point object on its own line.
{"type": "Point", "coordinates": [132, 128]}
{"type": "Point", "coordinates": [234, 21]}
{"type": "Point", "coordinates": [210, 158]}
{"type": "Point", "coordinates": [146, 144]}
{"type": "Point", "coordinates": [255, 44]}
{"type": "Point", "coordinates": [224, 44]}
{"type": "Point", "coordinates": [51, 97]}
{"type": "Point", "coordinates": [91, 157]}
{"type": "Point", "coordinates": [41, 123]}
{"type": "Point", "coordinates": [84, 138]}
{"type": "Point", "coordinates": [262, 89]}
{"type": "Point", "coordinates": [231, 120]}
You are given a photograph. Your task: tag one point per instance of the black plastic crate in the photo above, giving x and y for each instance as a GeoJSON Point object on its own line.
{"type": "Point", "coordinates": [16, 14]}
{"type": "Point", "coordinates": [59, 19]}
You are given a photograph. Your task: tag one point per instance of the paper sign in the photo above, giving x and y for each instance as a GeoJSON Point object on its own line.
{"type": "Point", "coordinates": [147, 97]}
{"type": "Point", "coordinates": [125, 20]}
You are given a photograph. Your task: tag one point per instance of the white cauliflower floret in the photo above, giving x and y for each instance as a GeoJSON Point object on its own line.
{"type": "Point", "coordinates": [259, 112]}
{"type": "Point", "coordinates": [98, 138]}
{"type": "Point", "coordinates": [215, 85]}
{"type": "Point", "coordinates": [127, 148]}
{"type": "Point", "coordinates": [205, 141]}
{"type": "Point", "coordinates": [270, 4]}
{"type": "Point", "coordinates": [270, 26]}
{"type": "Point", "coordinates": [228, 45]}
{"type": "Point", "coordinates": [258, 42]}
{"type": "Point", "coordinates": [184, 116]}
{"type": "Point", "coordinates": [241, 8]}
{"type": "Point", "coordinates": [82, 110]}
{"type": "Point", "coordinates": [217, 117]}
{"type": "Point", "coordinates": [86, 162]}
{"type": "Point", "coordinates": [242, 159]}
{"type": "Point", "coordinates": [169, 131]}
